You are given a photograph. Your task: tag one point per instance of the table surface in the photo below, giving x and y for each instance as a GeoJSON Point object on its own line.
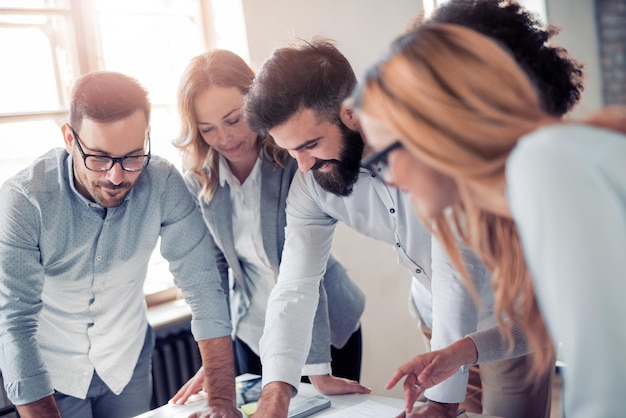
{"type": "Point", "coordinates": [337, 403]}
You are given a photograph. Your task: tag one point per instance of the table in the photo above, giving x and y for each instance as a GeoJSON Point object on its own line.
{"type": "Point", "coordinates": [338, 403]}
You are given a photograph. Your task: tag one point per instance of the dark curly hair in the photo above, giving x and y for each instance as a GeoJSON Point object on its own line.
{"type": "Point", "coordinates": [557, 77]}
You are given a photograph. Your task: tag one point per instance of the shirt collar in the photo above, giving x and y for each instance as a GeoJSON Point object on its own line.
{"type": "Point", "coordinates": [227, 176]}
{"type": "Point", "coordinates": [69, 166]}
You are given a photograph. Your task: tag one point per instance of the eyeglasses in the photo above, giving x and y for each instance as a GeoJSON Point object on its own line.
{"type": "Point", "coordinates": [377, 162]}
{"type": "Point", "coordinates": [101, 163]}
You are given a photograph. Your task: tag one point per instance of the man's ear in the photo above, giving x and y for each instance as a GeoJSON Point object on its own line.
{"type": "Point", "coordinates": [68, 137]}
{"type": "Point", "coordinates": [348, 115]}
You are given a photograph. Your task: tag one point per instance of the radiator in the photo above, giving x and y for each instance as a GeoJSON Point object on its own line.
{"type": "Point", "coordinates": [175, 359]}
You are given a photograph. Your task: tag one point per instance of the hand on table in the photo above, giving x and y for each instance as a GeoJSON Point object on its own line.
{"type": "Point", "coordinates": [217, 408]}
{"type": "Point", "coordinates": [328, 384]}
{"type": "Point", "coordinates": [193, 386]}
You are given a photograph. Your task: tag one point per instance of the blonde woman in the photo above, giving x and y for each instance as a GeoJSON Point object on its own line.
{"type": "Point", "coordinates": [543, 202]}
{"type": "Point", "coordinates": [240, 182]}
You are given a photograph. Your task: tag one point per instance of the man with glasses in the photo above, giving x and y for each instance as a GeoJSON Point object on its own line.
{"type": "Point", "coordinates": [77, 229]}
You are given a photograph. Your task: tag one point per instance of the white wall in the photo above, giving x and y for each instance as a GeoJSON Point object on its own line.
{"type": "Point", "coordinates": [363, 29]}
{"type": "Point", "coordinates": [578, 35]}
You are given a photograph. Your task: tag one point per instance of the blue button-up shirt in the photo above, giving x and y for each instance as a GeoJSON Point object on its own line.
{"type": "Point", "coordinates": [72, 275]}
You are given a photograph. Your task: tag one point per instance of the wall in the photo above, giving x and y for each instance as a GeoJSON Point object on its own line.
{"type": "Point", "coordinates": [363, 29]}
{"type": "Point", "coordinates": [577, 20]}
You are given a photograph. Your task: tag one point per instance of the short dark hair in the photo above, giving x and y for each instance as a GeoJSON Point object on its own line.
{"type": "Point", "coordinates": [107, 96]}
{"type": "Point", "coordinates": [305, 75]}
{"type": "Point", "coordinates": [558, 78]}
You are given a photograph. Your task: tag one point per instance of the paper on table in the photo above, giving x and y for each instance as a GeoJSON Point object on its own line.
{"type": "Point", "coordinates": [367, 409]}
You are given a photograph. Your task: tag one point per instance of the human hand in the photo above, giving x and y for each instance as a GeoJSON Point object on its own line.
{"type": "Point", "coordinates": [432, 409]}
{"type": "Point", "coordinates": [218, 409]}
{"type": "Point", "coordinates": [328, 384]}
{"type": "Point", "coordinates": [429, 369]}
{"type": "Point", "coordinates": [193, 386]}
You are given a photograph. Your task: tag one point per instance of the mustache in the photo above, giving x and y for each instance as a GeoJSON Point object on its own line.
{"type": "Point", "coordinates": [319, 163]}
{"type": "Point", "coordinates": [108, 185]}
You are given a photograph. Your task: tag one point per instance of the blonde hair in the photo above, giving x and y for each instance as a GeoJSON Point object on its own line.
{"type": "Point", "coordinates": [460, 102]}
{"type": "Point", "coordinates": [221, 68]}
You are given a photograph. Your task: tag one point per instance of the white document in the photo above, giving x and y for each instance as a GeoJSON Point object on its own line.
{"type": "Point", "coordinates": [367, 409]}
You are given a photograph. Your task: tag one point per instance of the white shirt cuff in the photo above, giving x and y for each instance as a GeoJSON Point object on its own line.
{"type": "Point", "coordinates": [451, 390]}
{"type": "Point", "coordinates": [282, 369]}
{"type": "Point", "coordinates": [316, 369]}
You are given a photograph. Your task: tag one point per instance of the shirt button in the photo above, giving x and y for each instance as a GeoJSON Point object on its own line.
{"type": "Point", "coordinates": [99, 257]}
{"type": "Point", "coordinates": [418, 271]}
{"type": "Point", "coordinates": [398, 244]}
{"type": "Point", "coordinates": [392, 210]}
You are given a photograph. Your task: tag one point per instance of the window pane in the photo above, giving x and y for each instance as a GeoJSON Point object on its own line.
{"type": "Point", "coordinates": [153, 41]}
{"type": "Point", "coordinates": [34, 63]}
{"type": "Point", "coordinates": [164, 126]}
{"type": "Point", "coordinates": [34, 3]}
{"type": "Point", "coordinates": [171, 7]}
{"type": "Point", "coordinates": [154, 46]}
{"type": "Point", "coordinates": [23, 142]}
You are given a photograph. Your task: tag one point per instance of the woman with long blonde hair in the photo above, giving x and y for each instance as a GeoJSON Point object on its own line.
{"type": "Point", "coordinates": [542, 201]}
{"type": "Point", "coordinates": [240, 183]}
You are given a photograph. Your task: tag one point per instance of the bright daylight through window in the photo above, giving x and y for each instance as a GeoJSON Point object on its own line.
{"type": "Point", "coordinates": [46, 44]}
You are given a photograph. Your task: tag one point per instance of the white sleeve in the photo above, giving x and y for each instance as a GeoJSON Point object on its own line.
{"type": "Point", "coordinates": [567, 195]}
{"type": "Point", "coordinates": [292, 304]}
{"type": "Point", "coordinates": [455, 314]}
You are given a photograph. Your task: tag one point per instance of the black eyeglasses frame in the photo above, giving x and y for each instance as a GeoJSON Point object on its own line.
{"type": "Point", "coordinates": [377, 162]}
{"type": "Point", "coordinates": [114, 160]}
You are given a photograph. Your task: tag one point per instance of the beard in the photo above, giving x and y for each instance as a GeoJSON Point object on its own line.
{"type": "Point", "coordinates": [96, 188]}
{"type": "Point", "coordinates": [104, 193]}
{"type": "Point", "coordinates": [104, 199]}
{"type": "Point", "coordinates": [345, 171]}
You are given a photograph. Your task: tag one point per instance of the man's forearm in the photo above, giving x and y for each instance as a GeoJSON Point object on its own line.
{"type": "Point", "coordinates": [274, 400]}
{"type": "Point", "coordinates": [219, 369]}
{"type": "Point", "coordinates": [43, 408]}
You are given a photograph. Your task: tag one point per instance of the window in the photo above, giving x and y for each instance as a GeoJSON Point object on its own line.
{"type": "Point", "coordinates": [46, 44]}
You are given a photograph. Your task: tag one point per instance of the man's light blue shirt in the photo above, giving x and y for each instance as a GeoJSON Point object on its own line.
{"type": "Point", "coordinates": [72, 276]}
